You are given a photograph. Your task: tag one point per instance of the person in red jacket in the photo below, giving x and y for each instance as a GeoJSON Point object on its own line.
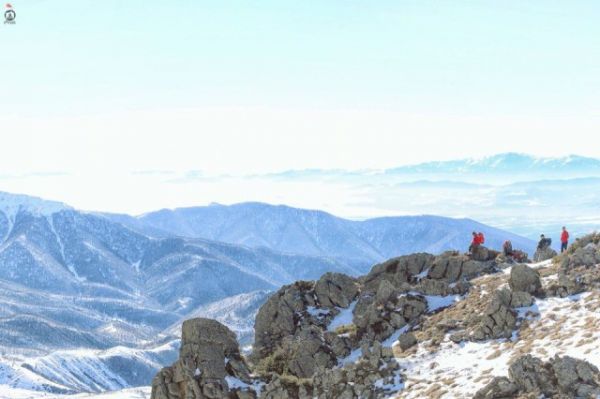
{"type": "Point", "coordinates": [475, 242]}
{"type": "Point", "coordinates": [564, 240]}
{"type": "Point", "coordinates": [481, 238]}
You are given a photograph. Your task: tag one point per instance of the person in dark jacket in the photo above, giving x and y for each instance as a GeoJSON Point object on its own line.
{"type": "Point", "coordinates": [564, 240]}
{"type": "Point", "coordinates": [507, 248]}
{"type": "Point", "coordinates": [544, 242]}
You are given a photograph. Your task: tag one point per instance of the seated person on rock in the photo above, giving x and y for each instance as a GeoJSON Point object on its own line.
{"type": "Point", "coordinates": [544, 242]}
{"type": "Point", "coordinates": [475, 243]}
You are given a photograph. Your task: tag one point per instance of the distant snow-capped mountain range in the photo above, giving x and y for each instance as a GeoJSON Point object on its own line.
{"type": "Point", "coordinates": [93, 302]}
{"type": "Point", "coordinates": [511, 167]}
{"type": "Point", "coordinates": [521, 193]}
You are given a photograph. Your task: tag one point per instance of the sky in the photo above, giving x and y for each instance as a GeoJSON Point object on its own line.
{"type": "Point", "coordinates": [110, 105]}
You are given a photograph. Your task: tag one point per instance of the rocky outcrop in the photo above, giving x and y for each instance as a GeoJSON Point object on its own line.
{"type": "Point", "coordinates": [499, 319]}
{"type": "Point", "coordinates": [524, 278]}
{"type": "Point", "coordinates": [563, 377]}
{"type": "Point", "coordinates": [542, 254]}
{"type": "Point", "coordinates": [374, 375]}
{"type": "Point", "coordinates": [588, 255]}
{"type": "Point", "coordinates": [442, 275]}
{"type": "Point", "coordinates": [300, 353]}
{"type": "Point", "coordinates": [378, 315]}
{"type": "Point", "coordinates": [336, 289]}
{"type": "Point", "coordinates": [483, 254]}
{"type": "Point", "coordinates": [578, 270]}
{"type": "Point", "coordinates": [209, 365]}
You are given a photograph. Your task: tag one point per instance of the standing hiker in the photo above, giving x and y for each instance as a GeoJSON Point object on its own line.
{"type": "Point", "coordinates": [507, 248]}
{"type": "Point", "coordinates": [564, 240]}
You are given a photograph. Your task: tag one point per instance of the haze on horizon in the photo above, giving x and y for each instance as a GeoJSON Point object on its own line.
{"type": "Point", "coordinates": [123, 106]}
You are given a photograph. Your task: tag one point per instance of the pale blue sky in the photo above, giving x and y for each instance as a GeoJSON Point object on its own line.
{"type": "Point", "coordinates": [101, 89]}
{"type": "Point", "coordinates": [447, 56]}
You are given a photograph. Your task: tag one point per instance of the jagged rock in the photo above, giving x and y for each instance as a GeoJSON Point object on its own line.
{"type": "Point", "coordinates": [524, 278]}
{"type": "Point", "coordinates": [308, 353]}
{"type": "Point", "coordinates": [574, 375]}
{"type": "Point", "coordinates": [208, 356]}
{"type": "Point", "coordinates": [530, 374]}
{"type": "Point", "coordinates": [407, 341]}
{"type": "Point", "coordinates": [573, 281]}
{"type": "Point", "coordinates": [582, 256]}
{"type": "Point", "coordinates": [377, 321]}
{"type": "Point", "coordinates": [520, 299]}
{"type": "Point", "coordinates": [498, 388]}
{"type": "Point", "coordinates": [560, 377]}
{"type": "Point", "coordinates": [385, 292]}
{"type": "Point", "coordinates": [278, 318]}
{"type": "Point", "coordinates": [397, 271]}
{"type": "Point", "coordinates": [483, 254]}
{"type": "Point", "coordinates": [286, 387]}
{"type": "Point", "coordinates": [296, 356]}
{"type": "Point", "coordinates": [499, 320]}
{"type": "Point", "coordinates": [336, 289]}
{"type": "Point", "coordinates": [367, 378]}
{"type": "Point", "coordinates": [471, 269]}
{"type": "Point", "coordinates": [543, 254]}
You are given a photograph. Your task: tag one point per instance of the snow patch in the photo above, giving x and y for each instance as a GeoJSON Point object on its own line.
{"type": "Point", "coordinates": [343, 318]}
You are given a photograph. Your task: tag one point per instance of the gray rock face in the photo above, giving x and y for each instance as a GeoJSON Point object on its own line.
{"type": "Point", "coordinates": [541, 255]}
{"type": "Point", "coordinates": [209, 357]}
{"type": "Point", "coordinates": [520, 299]}
{"type": "Point", "coordinates": [499, 319]}
{"type": "Point", "coordinates": [572, 281]}
{"type": "Point", "coordinates": [279, 316]}
{"type": "Point", "coordinates": [530, 374]}
{"type": "Point", "coordinates": [336, 289]}
{"type": "Point", "coordinates": [375, 370]}
{"type": "Point", "coordinates": [407, 340]}
{"type": "Point", "coordinates": [589, 255]}
{"type": "Point", "coordinates": [523, 278]}
{"type": "Point", "coordinates": [560, 377]}
{"type": "Point", "coordinates": [498, 388]}
{"type": "Point", "coordinates": [483, 254]}
{"type": "Point", "coordinates": [377, 319]}
{"type": "Point", "coordinates": [297, 352]}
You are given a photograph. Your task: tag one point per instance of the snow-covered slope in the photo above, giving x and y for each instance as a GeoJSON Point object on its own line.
{"type": "Point", "coordinates": [85, 301]}
{"type": "Point", "coordinates": [89, 304]}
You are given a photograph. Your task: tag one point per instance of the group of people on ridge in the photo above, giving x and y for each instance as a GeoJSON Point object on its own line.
{"type": "Point", "coordinates": [564, 241]}
{"type": "Point", "coordinates": [507, 249]}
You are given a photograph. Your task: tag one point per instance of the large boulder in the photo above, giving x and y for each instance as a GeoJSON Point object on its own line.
{"type": "Point", "coordinates": [560, 377]}
{"type": "Point", "coordinates": [589, 255]}
{"type": "Point", "coordinates": [483, 254]}
{"type": "Point", "coordinates": [498, 388]}
{"type": "Point", "coordinates": [573, 281]}
{"type": "Point", "coordinates": [280, 316]}
{"type": "Point", "coordinates": [499, 319]}
{"type": "Point", "coordinates": [398, 271]}
{"type": "Point", "coordinates": [209, 361]}
{"type": "Point", "coordinates": [543, 254]}
{"type": "Point", "coordinates": [336, 289]}
{"type": "Point", "coordinates": [530, 374]}
{"type": "Point", "coordinates": [524, 278]}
